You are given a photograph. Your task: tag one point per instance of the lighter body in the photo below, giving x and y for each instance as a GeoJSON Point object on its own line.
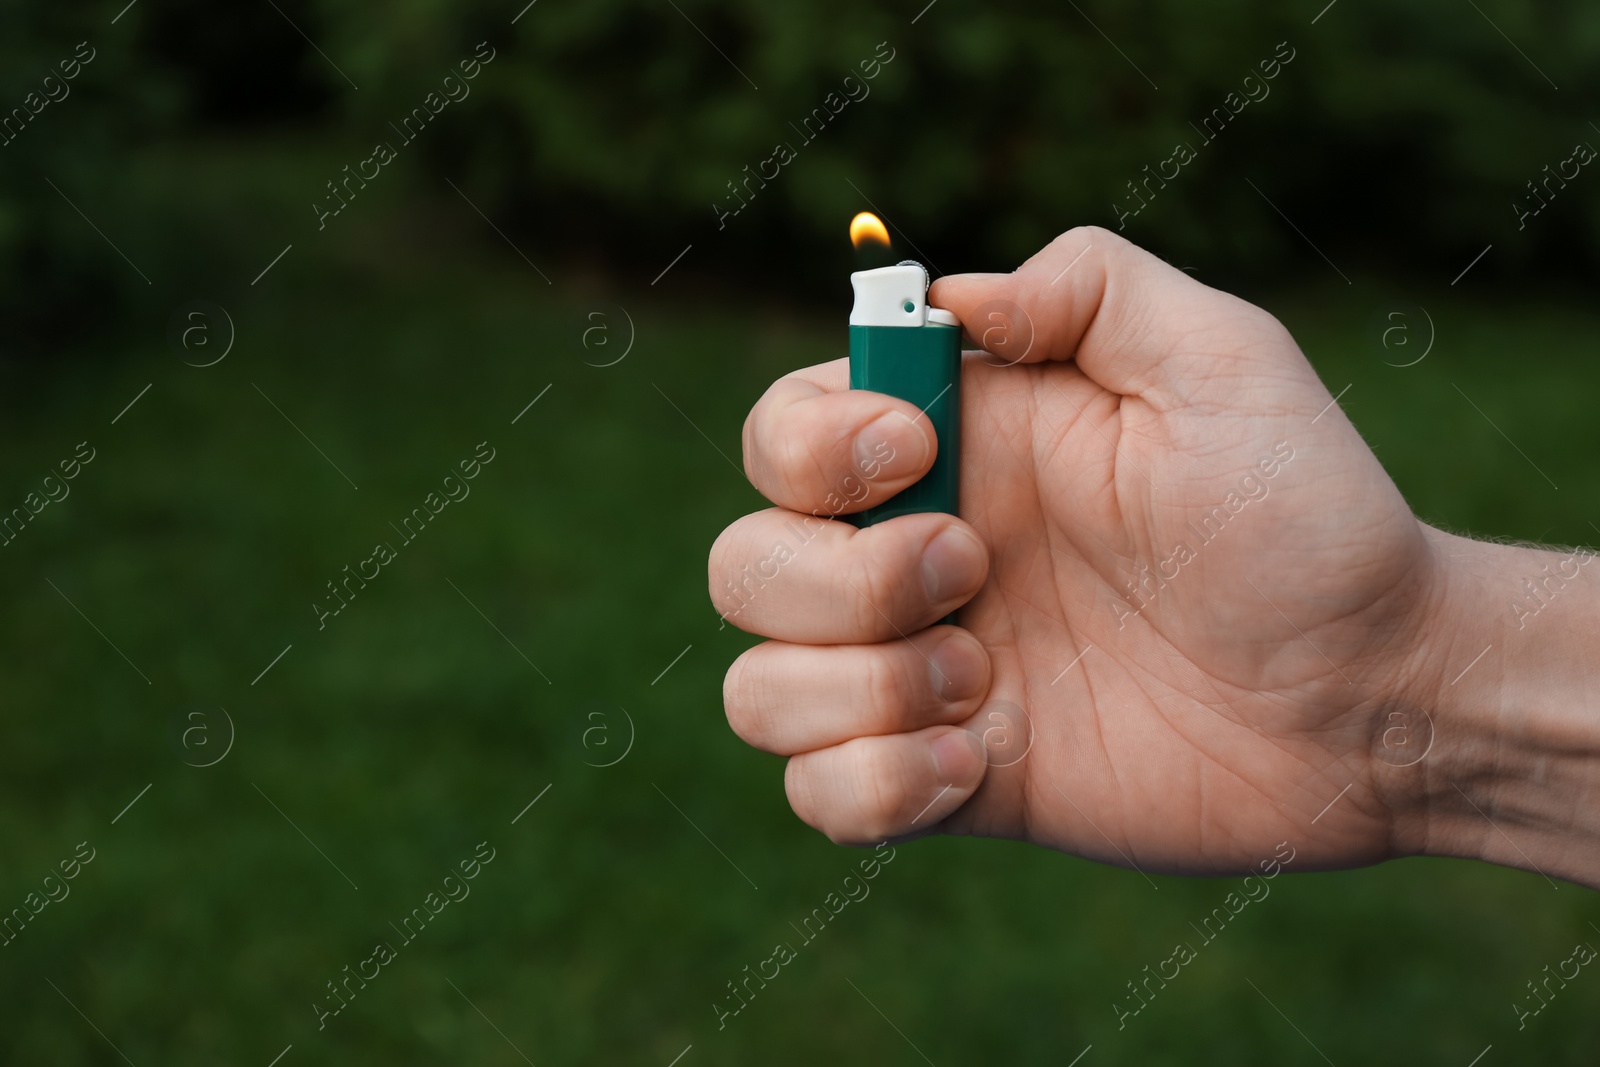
{"type": "Point", "coordinates": [902, 347]}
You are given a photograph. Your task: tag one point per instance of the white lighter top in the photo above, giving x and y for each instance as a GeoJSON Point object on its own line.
{"type": "Point", "coordinates": [895, 296]}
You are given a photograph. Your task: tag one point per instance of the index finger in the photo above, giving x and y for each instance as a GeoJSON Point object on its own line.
{"type": "Point", "coordinates": [814, 445]}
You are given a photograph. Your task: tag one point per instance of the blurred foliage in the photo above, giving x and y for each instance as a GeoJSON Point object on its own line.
{"type": "Point", "coordinates": [606, 131]}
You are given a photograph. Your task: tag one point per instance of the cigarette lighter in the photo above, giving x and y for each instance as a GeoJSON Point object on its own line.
{"type": "Point", "coordinates": [901, 346]}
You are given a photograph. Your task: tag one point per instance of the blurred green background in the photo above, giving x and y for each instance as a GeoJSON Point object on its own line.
{"type": "Point", "coordinates": [559, 612]}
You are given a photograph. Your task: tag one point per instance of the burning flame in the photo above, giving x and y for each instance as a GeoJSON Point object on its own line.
{"type": "Point", "coordinates": [868, 227]}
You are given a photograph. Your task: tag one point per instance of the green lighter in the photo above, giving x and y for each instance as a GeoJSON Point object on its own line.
{"type": "Point", "coordinates": [902, 347]}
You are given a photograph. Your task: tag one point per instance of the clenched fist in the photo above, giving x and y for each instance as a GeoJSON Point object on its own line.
{"type": "Point", "coordinates": [1193, 608]}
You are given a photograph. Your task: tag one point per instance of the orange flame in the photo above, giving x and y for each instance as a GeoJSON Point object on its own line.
{"type": "Point", "coordinates": [868, 227]}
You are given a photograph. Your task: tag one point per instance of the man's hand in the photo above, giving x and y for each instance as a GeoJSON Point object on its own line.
{"type": "Point", "coordinates": [1195, 606]}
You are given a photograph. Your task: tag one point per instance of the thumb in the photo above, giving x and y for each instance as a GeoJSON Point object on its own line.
{"type": "Point", "coordinates": [1089, 295]}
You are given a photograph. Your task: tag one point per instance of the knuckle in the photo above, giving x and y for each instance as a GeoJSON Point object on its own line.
{"type": "Point", "coordinates": [792, 460]}
{"type": "Point", "coordinates": [717, 561]}
{"type": "Point", "coordinates": [750, 443]}
{"type": "Point", "coordinates": [797, 789]}
{"type": "Point", "coordinates": [740, 698]}
{"type": "Point", "coordinates": [755, 701]}
{"type": "Point", "coordinates": [870, 591]}
{"type": "Point", "coordinates": [1098, 236]}
{"type": "Point", "coordinates": [766, 439]}
{"type": "Point", "coordinates": [884, 795]}
{"type": "Point", "coordinates": [721, 566]}
{"type": "Point", "coordinates": [757, 432]}
{"type": "Point", "coordinates": [883, 690]}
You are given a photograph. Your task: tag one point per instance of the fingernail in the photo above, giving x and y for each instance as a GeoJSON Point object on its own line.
{"type": "Point", "coordinates": [957, 757]}
{"type": "Point", "coordinates": [953, 566]}
{"type": "Point", "coordinates": [891, 447]}
{"type": "Point", "coordinates": [956, 669]}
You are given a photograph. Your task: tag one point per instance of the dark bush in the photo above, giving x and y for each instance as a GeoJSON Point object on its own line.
{"type": "Point", "coordinates": [611, 129]}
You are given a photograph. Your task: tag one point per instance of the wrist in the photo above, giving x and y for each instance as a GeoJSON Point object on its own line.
{"type": "Point", "coordinates": [1500, 681]}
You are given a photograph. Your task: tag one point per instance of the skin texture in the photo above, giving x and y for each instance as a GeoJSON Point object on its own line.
{"type": "Point", "coordinates": [1108, 693]}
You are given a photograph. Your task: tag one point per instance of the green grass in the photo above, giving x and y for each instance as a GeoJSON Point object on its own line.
{"type": "Point", "coordinates": [409, 730]}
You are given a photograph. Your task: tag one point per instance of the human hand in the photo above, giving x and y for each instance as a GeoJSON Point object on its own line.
{"type": "Point", "coordinates": [1179, 560]}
